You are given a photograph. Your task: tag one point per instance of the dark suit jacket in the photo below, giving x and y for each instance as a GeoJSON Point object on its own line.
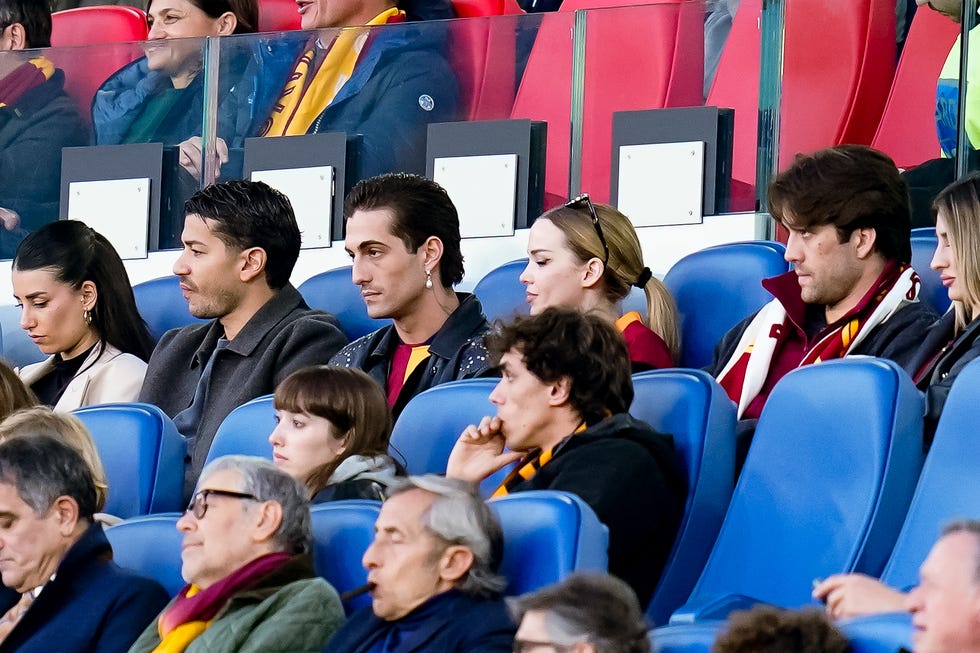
{"type": "Point", "coordinates": [461, 624]}
{"type": "Point", "coordinates": [92, 605]}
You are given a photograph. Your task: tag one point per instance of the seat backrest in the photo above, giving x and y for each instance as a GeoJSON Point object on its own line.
{"type": "Point", "coordinates": [162, 305]}
{"type": "Point", "coordinates": [342, 532]}
{"type": "Point", "coordinates": [946, 488]}
{"type": "Point", "coordinates": [907, 131]}
{"type": "Point", "coordinates": [692, 408]}
{"type": "Point", "coordinates": [501, 293]}
{"type": "Point", "coordinates": [663, 46]}
{"type": "Point", "coordinates": [149, 545]}
{"type": "Point", "coordinates": [548, 535]}
{"type": "Point", "coordinates": [334, 292]}
{"type": "Point", "coordinates": [245, 431]}
{"type": "Point", "coordinates": [432, 421]}
{"type": "Point", "coordinates": [685, 638]}
{"type": "Point", "coordinates": [881, 633]}
{"type": "Point", "coordinates": [278, 15]}
{"type": "Point", "coordinates": [825, 486]}
{"type": "Point", "coordinates": [143, 456]}
{"type": "Point", "coordinates": [18, 348]}
{"type": "Point", "coordinates": [717, 287]}
{"type": "Point", "coordinates": [86, 70]}
{"type": "Point", "coordinates": [933, 291]}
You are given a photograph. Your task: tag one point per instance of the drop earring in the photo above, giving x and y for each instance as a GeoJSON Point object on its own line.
{"type": "Point", "coordinates": [87, 316]}
{"type": "Point", "coordinates": [428, 280]}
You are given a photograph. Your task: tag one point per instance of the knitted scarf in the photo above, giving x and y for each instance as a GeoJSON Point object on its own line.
{"type": "Point", "coordinates": [28, 75]}
{"type": "Point", "coordinates": [745, 373]}
{"type": "Point", "coordinates": [310, 88]}
{"type": "Point", "coordinates": [530, 464]}
{"type": "Point", "coordinates": [191, 612]}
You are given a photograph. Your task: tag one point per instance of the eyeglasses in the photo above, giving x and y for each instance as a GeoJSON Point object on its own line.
{"type": "Point", "coordinates": [584, 199]}
{"type": "Point", "coordinates": [527, 646]}
{"type": "Point", "coordinates": [199, 504]}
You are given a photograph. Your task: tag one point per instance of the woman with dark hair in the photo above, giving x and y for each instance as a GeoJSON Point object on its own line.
{"type": "Point", "coordinates": [77, 305]}
{"type": "Point", "coordinates": [332, 433]}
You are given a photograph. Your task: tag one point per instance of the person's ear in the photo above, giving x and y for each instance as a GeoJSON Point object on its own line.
{"type": "Point", "coordinates": [864, 241]}
{"type": "Point", "coordinates": [65, 509]}
{"type": "Point", "coordinates": [455, 563]}
{"type": "Point", "coordinates": [17, 36]}
{"type": "Point", "coordinates": [226, 24]}
{"type": "Point", "coordinates": [253, 262]}
{"type": "Point", "coordinates": [559, 391]}
{"type": "Point", "coordinates": [268, 521]}
{"type": "Point", "coordinates": [593, 272]}
{"type": "Point", "coordinates": [90, 295]}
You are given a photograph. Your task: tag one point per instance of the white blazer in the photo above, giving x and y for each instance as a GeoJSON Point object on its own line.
{"type": "Point", "coordinates": [113, 376]}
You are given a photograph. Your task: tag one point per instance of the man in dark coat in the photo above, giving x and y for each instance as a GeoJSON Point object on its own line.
{"type": "Point", "coordinates": [63, 593]}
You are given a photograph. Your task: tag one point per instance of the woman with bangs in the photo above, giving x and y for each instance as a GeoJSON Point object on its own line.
{"type": "Point", "coordinates": [332, 432]}
{"type": "Point", "coordinates": [954, 340]}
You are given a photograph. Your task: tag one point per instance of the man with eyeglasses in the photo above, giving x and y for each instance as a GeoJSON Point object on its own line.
{"type": "Point", "coordinates": [562, 416]}
{"type": "Point", "coordinates": [37, 119]}
{"type": "Point", "coordinates": [403, 238]}
{"type": "Point", "coordinates": [852, 289]}
{"type": "Point", "coordinates": [432, 573]}
{"type": "Point", "coordinates": [585, 613]}
{"type": "Point", "coordinates": [246, 559]}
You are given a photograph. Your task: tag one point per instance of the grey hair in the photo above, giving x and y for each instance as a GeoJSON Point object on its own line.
{"type": "Point", "coordinates": [458, 515]}
{"type": "Point", "coordinates": [971, 526]}
{"type": "Point", "coordinates": [266, 482]}
{"type": "Point", "coordinates": [588, 607]}
{"type": "Point", "coordinates": [42, 469]}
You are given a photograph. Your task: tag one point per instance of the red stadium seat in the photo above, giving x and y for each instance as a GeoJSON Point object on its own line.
{"type": "Point", "coordinates": [907, 132]}
{"type": "Point", "coordinates": [837, 69]}
{"type": "Point", "coordinates": [100, 26]}
{"type": "Point", "coordinates": [626, 68]}
{"type": "Point", "coordinates": [278, 15]}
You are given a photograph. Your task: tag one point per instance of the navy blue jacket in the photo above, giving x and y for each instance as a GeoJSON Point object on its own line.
{"type": "Point", "coordinates": [92, 605]}
{"type": "Point", "coordinates": [451, 622]}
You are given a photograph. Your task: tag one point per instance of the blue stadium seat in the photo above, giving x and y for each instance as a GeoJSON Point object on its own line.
{"type": "Point", "coordinates": [431, 422]}
{"type": "Point", "coordinates": [245, 431]}
{"type": "Point", "coordinates": [334, 292]}
{"type": "Point", "coordinates": [717, 287]}
{"type": "Point", "coordinates": [690, 406]}
{"type": "Point", "coordinates": [18, 349]}
{"type": "Point", "coordinates": [825, 487]}
{"type": "Point", "coordinates": [548, 535]}
{"type": "Point", "coordinates": [686, 638]}
{"type": "Point", "coordinates": [501, 292]}
{"type": "Point", "coordinates": [924, 243]}
{"type": "Point", "coordinates": [149, 545]}
{"type": "Point", "coordinates": [342, 532]}
{"type": "Point", "coordinates": [143, 456]}
{"type": "Point", "coordinates": [884, 633]}
{"type": "Point", "coordinates": [162, 305]}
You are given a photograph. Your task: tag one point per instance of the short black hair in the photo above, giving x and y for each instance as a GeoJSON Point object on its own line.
{"type": "Point", "coordinates": [34, 15]}
{"type": "Point", "coordinates": [43, 469]}
{"type": "Point", "coordinates": [420, 209]}
{"type": "Point", "coordinates": [562, 342]}
{"type": "Point", "coordinates": [252, 214]}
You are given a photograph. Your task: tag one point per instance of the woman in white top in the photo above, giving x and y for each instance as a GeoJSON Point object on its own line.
{"type": "Point", "coordinates": [77, 305]}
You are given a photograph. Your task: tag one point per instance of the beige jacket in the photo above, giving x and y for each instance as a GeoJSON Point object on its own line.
{"type": "Point", "coordinates": [113, 376]}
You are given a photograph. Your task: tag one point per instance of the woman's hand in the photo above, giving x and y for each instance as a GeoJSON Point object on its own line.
{"type": "Point", "coordinates": [191, 156]}
{"type": "Point", "coordinates": [479, 451]}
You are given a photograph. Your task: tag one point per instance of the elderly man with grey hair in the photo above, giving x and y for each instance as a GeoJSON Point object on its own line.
{"type": "Point", "coordinates": [251, 585]}
{"type": "Point", "coordinates": [432, 567]}
{"type": "Point", "coordinates": [585, 613]}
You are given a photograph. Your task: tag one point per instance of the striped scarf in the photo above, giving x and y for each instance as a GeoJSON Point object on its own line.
{"type": "Point", "coordinates": [192, 611]}
{"type": "Point", "coordinates": [530, 464]}
{"type": "Point", "coordinates": [28, 75]}
{"type": "Point", "coordinates": [310, 88]}
{"type": "Point", "coordinates": [745, 373]}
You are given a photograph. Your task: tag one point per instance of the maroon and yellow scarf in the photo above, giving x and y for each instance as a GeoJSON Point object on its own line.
{"type": "Point", "coordinates": [191, 612]}
{"type": "Point", "coordinates": [28, 75]}
{"type": "Point", "coordinates": [530, 464]}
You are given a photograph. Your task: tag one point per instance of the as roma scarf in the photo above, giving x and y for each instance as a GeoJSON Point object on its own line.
{"type": "Point", "coordinates": [28, 75]}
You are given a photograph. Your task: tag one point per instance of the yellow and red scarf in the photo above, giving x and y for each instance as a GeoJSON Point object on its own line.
{"type": "Point", "coordinates": [310, 88]}
{"type": "Point", "coordinates": [28, 75]}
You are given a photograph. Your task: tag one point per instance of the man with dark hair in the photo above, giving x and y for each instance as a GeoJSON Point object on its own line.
{"type": "Point", "coordinates": [585, 613]}
{"type": "Point", "coordinates": [241, 241]}
{"type": "Point", "coordinates": [852, 290]}
{"type": "Point", "coordinates": [433, 574]}
{"type": "Point", "coordinates": [246, 559]}
{"type": "Point", "coordinates": [562, 412]}
{"type": "Point", "coordinates": [37, 119]}
{"type": "Point", "coordinates": [63, 592]}
{"type": "Point", "coordinates": [766, 628]}
{"type": "Point", "coordinates": [403, 236]}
